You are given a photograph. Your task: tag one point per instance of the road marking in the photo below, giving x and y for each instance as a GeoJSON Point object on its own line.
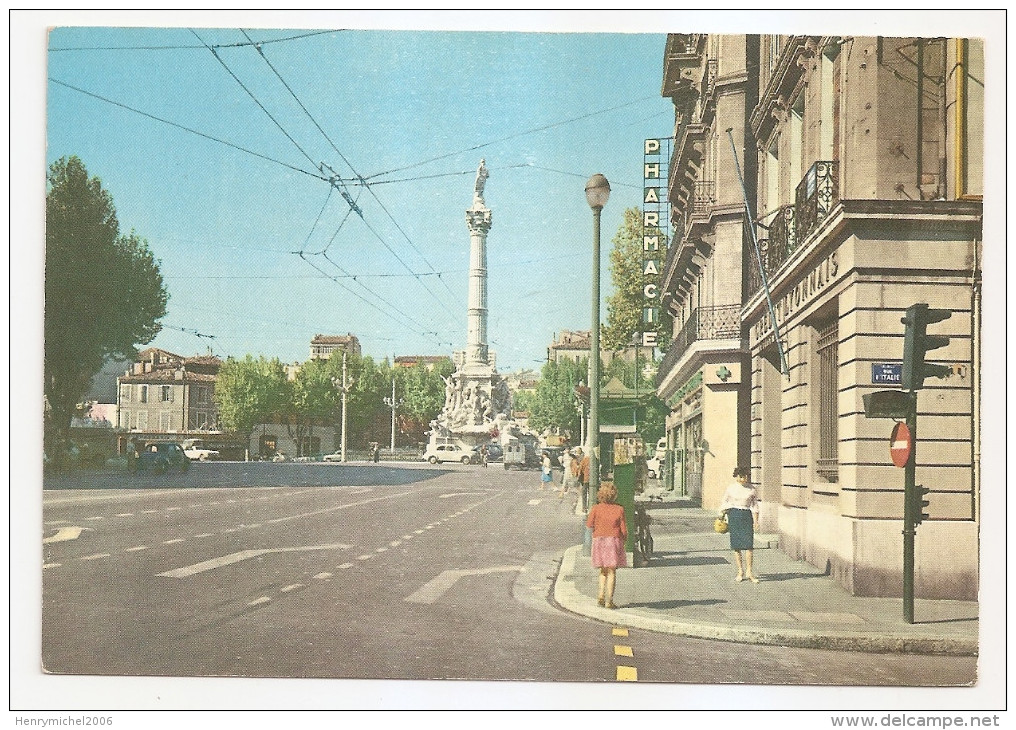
{"type": "Point", "coordinates": [125, 514]}
{"type": "Point", "coordinates": [364, 557]}
{"type": "Point", "coordinates": [149, 511]}
{"type": "Point", "coordinates": [418, 532]}
{"type": "Point", "coordinates": [204, 534]}
{"type": "Point", "coordinates": [171, 542]}
{"type": "Point", "coordinates": [407, 537]}
{"type": "Point", "coordinates": [333, 509]}
{"type": "Point", "coordinates": [55, 522]}
{"type": "Point", "coordinates": [96, 556]}
{"type": "Point", "coordinates": [381, 550]}
{"type": "Point", "coordinates": [65, 533]}
{"type": "Point", "coordinates": [170, 509]}
{"type": "Point", "coordinates": [50, 565]}
{"type": "Point", "coordinates": [395, 543]}
{"type": "Point", "coordinates": [619, 631]}
{"type": "Point", "coordinates": [459, 494]}
{"type": "Point", "coordinates": [292, 587]}
{"type": "Point", "coordinates": [622, 650]}
{"type": "Point", "coordinates": [429, 527]}
{"type": "Point", "coordinates": [361, 491]}
{"type": "Point", "coordinates": [95, 518]}
{"type": "Point", "coordinates": [627, 674]}
{"type": "Point", "coordinates": [345, 565]}
{"type": "Point", "coordinates": [323, 576]}
{"type": "Point", "coordinates": [437, 587]}
{"type": "Point", "coordinates": [242, 555]}
{"type": "Point", "coordinates": [135, 549]}
{"type": "Point", "coordinates": [259, 601]}
{"type": "Point", "coordinates": [535, 501]}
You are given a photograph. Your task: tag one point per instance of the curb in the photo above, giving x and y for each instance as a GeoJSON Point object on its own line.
{"type": "Point", "coordinates": [568, 597]}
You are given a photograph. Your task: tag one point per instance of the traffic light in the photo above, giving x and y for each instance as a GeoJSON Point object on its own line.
{"type": "Point", "coordinates": [918, 504]}
{"type": "Point", "coordinates": [917, 342]}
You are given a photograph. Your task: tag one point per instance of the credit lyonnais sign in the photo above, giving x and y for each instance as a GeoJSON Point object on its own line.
{"type": "Point", "coordinates": [803, 292]}
{"type": "Point", "coordinates": [655, 219]}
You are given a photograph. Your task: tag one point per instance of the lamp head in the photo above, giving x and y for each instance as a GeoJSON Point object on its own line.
{"type": "Point", "coordinates": [597, 191]}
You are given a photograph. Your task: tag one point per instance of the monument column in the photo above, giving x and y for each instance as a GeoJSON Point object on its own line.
{"type": "Point", "coordinates": [478, 220]}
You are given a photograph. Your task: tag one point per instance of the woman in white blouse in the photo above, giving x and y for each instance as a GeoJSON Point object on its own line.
{"type": "Point", "coordinates": [740, 502]}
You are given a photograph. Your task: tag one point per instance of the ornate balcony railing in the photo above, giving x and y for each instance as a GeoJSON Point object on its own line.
{"type": "Point", "coordinates": [705, 197]}
{"type": "Point", "coordinates": [705, 323]}
{"type": "Point", "coordinates": [816, 195]}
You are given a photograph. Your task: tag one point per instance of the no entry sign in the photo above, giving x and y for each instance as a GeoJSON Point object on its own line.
{"type": "Point", "coordinates": [900, 444]}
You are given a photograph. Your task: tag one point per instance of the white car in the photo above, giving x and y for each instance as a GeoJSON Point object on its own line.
{"type": "Point", "coordinates": [337, 456]}
{"type": "Point", "coordinates": [196, 451]}
{"type": "Point", "coordinates": [447, 452]}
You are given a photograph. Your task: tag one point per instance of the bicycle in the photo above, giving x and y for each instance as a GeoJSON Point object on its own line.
{"type": "Point", "coordinates": [643, 537]}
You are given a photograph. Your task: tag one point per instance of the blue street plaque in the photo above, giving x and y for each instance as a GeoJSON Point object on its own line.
{"type": "Point", "coordinates": [887, 373]}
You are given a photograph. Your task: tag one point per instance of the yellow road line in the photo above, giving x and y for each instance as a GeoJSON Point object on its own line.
{"type": "Point", "coordinates": [622, 651]}
{"type": "Point", "coordinates": [627, 674]}
{"type": "Point", "coordinates": [619, 631]}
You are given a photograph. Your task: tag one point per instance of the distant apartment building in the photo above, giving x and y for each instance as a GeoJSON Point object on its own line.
{"type": "Point", "coordinates": [574, 345]}
{"type": "Point", "coordinates": [166, 393]}
{"type": "Point", "coordinates": [322, 346]}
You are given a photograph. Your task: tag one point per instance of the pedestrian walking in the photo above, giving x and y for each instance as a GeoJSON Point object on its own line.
{"type": "Point", "coordinates": [571, 474]}
{"type": "Point", "coordinates": [740, 503]}
{"type": "Point", "coordinates": [584, 478]}
{"type": "Point", "coordinates": [606, 519]}
{"type": "Point", "coordinates": [484, 454]}
{"type": "Point", "coordinates": [546, 479]}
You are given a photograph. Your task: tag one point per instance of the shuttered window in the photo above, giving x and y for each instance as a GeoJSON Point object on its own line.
{"type": "Point", "coordinates": [827, 352]}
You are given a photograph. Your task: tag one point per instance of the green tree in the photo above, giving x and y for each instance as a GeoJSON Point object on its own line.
{"type": "Point", "coordinates": [316, 398]}
{"type": "Point", "coordinates": [104, 292]}
{"type": "Point", "coordinates": [249, 392]}
{"type": "Point", "coordinates": [629, 276]}
{"type": "Point", "coordinates": [422, 392]}
{"type": "Point", "coordinates": [552, 405]}
{"type": "Point", "coordinates": [651, 412]}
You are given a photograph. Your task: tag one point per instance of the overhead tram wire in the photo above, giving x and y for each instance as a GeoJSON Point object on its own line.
{"type": "Point", "coordinates": [288, 166]}
{"type": "Point", "coordinates": [358, 176]}
{"type": "Point", "coordinates": [252, 96]}
{"type": "Point", "coordinates": [544, 128]}
{"type": "Point", "coordinates": [186, 47]}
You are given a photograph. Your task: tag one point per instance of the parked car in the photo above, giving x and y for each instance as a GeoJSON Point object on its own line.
{"type": "Point", "coordinates": [337, 456]}
{"type": "Point", "coordinates": [494, 453]}
{"type": "Point", "coordinates": [197, 451]}
{"type": "Point", "coordinates": [447, 452]}
{"type": "Point", "coordinates": [161, 456]}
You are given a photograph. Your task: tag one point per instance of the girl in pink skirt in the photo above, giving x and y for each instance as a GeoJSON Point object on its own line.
{"type": "Point", "coordinates": [609, 533]}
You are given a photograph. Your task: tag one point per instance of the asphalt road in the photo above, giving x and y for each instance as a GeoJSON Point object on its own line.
{"type": "Point", "coordinates": [405, 571]}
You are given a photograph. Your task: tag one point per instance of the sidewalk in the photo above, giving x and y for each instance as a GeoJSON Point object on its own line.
{"type": "Point", "coordinates": [689, 589]}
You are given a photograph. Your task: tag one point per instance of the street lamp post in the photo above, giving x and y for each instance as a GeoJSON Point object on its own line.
{"type": "Point", "coordinates": [597, 194]}
{"type": "Point", "coordinates": [393, 404]}
{"type": "Point", "coordinates": [344, 386]}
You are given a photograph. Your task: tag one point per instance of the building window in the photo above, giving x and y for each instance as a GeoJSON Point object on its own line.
{"type": "Point", "coordinates": [144, 393]}
{"type": "Point", "coordinates": [797, 139]}
{"type": "Point", "coordinates": [773, 175]}
{"type": "Point", "coordinates": [829, 100]}
{"type": "Point", "coordinates": [125, 393]}
{"type": "Point", "coordinates": [166, 393]}
{"type": "Point", "coordinates": [970, 119]}
{"type": "Point", "coordinates": [142, 420]}
{"type": "Point", "coordinates": [165, 421]}
{"type": "Point", "coordinates": [125, 419]}
{"type": "Point", "coordinates": [827, 353]}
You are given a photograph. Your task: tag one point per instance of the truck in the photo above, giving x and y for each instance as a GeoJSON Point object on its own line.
{"type": "Point", "coordinates": [521, 454]}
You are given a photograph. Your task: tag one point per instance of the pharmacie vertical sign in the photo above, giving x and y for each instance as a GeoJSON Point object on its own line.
{"type": "Point", "coordinates": [655, 230]}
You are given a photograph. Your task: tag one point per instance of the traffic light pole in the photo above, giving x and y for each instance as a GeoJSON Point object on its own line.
{"type": "Point", "coordinates": [909, 518]}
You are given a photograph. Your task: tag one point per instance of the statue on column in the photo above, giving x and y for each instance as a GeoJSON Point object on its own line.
{"type": "Point", "coordinates": [481, 180]}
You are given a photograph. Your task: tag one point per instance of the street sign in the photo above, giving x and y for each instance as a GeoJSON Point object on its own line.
{"type": "Point", "coordinates": [886, 373]}
{"type": "Point", "coordinates": [899, 445]}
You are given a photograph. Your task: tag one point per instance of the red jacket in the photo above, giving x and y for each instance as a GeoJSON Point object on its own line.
{"type": "Point", "coordinates": [607, 520]}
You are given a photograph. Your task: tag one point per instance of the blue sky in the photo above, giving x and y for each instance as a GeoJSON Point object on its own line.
{"type": "Point", "coordinates": [421, 108]}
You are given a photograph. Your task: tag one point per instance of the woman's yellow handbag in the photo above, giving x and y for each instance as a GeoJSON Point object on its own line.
{"type": "Point", "coordinates": [720, 524]}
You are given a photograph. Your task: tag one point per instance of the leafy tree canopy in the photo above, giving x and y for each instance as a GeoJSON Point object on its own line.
{"type": "Point", "coordinates": [252, 391]}
{"type": "Point", "coordinates": [104, 291]}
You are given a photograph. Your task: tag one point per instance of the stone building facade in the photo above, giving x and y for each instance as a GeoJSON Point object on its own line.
{"type": "Point", "coordinates": [867, 199]}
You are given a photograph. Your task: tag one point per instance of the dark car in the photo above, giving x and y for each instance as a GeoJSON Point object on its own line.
{"type": "Point", "coordinates": [161, 456]}
{"type": "Point", "coordinates": [494, 453]}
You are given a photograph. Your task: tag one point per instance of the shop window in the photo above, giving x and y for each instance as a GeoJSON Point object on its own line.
{"type": "Point", "coordinates": [827, 354]}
